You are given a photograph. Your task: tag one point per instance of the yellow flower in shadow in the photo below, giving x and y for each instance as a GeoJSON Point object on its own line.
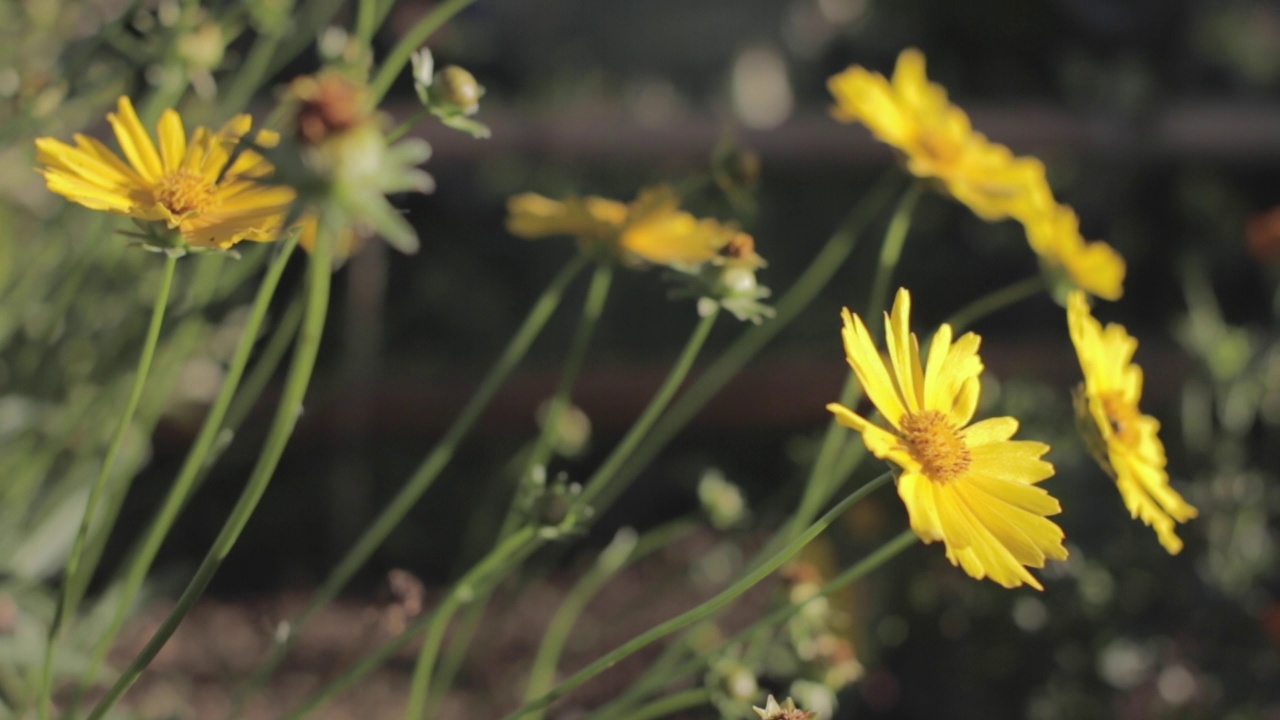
{"type": "Point", "coordinates": [1125, 442]}
{"type": "Point", "coordinates": [205, 187]}
{"type": "Point", "coordinates": [968, 485]}
{"type": "Point", "coordinates": [935, 137]}
{"type": "Point", "coordinates": [651, 230]}
{"type": "Point", "coordinates": [1095, 267]}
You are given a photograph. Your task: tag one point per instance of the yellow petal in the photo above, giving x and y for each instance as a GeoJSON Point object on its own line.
{"type": "Point", "coordinates": [988, 431]}
{"type": "Point", "coordinates": [135, 142]}
{"type": "Point", "coordinates": [1013, 460]}
{"type": "Point", "coordinates": [865, 360]}
{"type": "Point", "coordinates": [173, 140]}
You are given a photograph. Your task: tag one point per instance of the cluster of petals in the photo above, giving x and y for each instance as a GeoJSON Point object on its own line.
{"type": "Point", "coordinates": [967, 484]}
{"type": "Point", "coordinates": [208, 187]}
{"type": "Point", "coordinates": [938, 143]}
{"type": "Point", "coordinates": [1128, 442]}
{"type": "Point", "coordinates": [650, 230]}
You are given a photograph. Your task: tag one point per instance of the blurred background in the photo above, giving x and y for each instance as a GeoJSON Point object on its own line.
{"type": "Point", "coordinates": [1160, 124]}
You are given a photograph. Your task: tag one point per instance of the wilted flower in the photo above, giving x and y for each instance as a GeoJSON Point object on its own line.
{"type": "Point", "coordinates": [338, 154]}
{"type": "Point", "coordinates": [968, 485]}
{"type": "Point", "coordinates": [202, 191]}
{"type": "Point", "coordinates": [914, 116]}
{"type": "Point", "coordinates": [1125, 442]}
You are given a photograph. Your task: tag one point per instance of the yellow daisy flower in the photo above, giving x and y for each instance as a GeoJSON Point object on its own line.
{"type": "Point", "coordinates": [1124, 441]}
{"type": "Point", "coordinates": [652, 229]}
{"type": "Point", "coordinates": [1095, 267]}
{"type": "Point", "coordinates": [199, 187]}
{"type": "Point", "coordinates": [968, 485]}
{"type": "Point", "coordinates": [914, 115]}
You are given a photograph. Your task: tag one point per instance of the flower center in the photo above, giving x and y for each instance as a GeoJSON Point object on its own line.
{"type": "Point", "coordinates": [937, 445]}
{"type": "Point", "coordinates": [1123, 416]}
{"type": "Point", "coordinates": [183, 191]}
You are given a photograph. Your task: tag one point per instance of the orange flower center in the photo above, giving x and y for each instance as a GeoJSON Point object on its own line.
{"type": "Point", "coordinates": [183, 191]}
{"type": "Point", "coordinates": [1123, 416]}
{"type": "Point", "coordinates": [937, 445]}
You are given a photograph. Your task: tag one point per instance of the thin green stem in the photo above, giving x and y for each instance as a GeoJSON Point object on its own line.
{"type": "Point", "coordinates": [664, 707]}
{"type": "Point", "coordinates": [820, 484]}
{"type": "Point", "coordinates": [403, 128]}
{"type": "Point", "coordinates": [592, 308]}
{"type": "Point", "coordinates": [319, 272]}
{"type": "Point", "coordinates": [706, 609]}
{"type": "Point", "coordinates": [412, 40]}
{"type": "Point", "coordinates": [424, 476]}
{"type": "Point", "coordinates": [859, 570]}
{"type": "Point", "coordinates": [194, 465]}
{"type": "Point", "coordinates": [77, 577]}
{"type": "Point", "coordinates": [311, 21]}
{"type": "Point", "coordinates": [366, 22]}
{"type": "Point", "coordinates": [252, 73]}
{"type": "Point", "coordinates": [623, 551]}
{"type": "Point", "coordinates": [607, 472]}
{"type": "Point", "coordinates": [252, 387]}
{"type": "Point", "coordinates": [508, 554]}
{"type": "Point", "coordinates": [995, 301]}
{"type": "Point", "coordinates": [801, 294]}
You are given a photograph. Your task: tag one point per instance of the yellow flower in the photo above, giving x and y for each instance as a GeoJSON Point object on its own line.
{"type": "Point", "coordinates": [652, 229]}
{"type": "Point", "coordinates": [200, 186]}
{"type": "Point", "coordinates": [913, 115]}
{"type": "Point", "coordinates": [968, 485]}
{"type": "Point", "coordinates": [1130, 449]}
{"type": "Point", "coordinates": [1095, 267]}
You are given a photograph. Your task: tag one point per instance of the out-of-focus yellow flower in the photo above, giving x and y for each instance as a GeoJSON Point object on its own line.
{"type": "Point", "coordinates": [913, 115]}
{"type": "Point", "coordinates": [970, 486]}
{"type": "Point", "coordinates": [650, 230]}
{"type": "Point", "coordinates": [1095, 267]}
{"type": "Point", "coordinates": [1124, 441]}
{"type": "Point", "coordinates": [200, 187]}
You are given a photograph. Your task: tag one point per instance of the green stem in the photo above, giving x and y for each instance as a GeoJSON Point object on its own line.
{"type": "Point", "coordinates": [820, 484]}
{"type": "Point", "coordinates": [995, 301]}
{"type": "Point", "coordinates": [859, 570]}
{"type": "Point", "coordinates": [539, 454]}
{"type": "Point", "coordinates": [312, 20]}
{"type": "Point", "coordinates": [508, 554]}
{"type": "Point", "coordinates": [801, 294]}
{"type": "Point", "coordinates": [608, 470]}
{"type": "Point", "coordinates": [366, 22]}
{"type": "Point", "coordinates": [706, 609]}
{"type": "Point", "coordinates": [412, 40]}
{"type": "Point", "coordinates": [423, 477]}
{"type": "Point", "coordinates": [623, 551]}
{"type": "Point", "coordinates": [252, 387]}
{"type": "Point", "coordinates": [77, 577]}
{"type": "Point", "coordinates": [319, 271]}
{"type": "Point", "coordinates": [251, 74]}
{"type": "Point", "coordinates": [664, 707]}
{"type": "Point", "coordinates": [400, 130]}
{"type": "Point", "coordinates": [195, 463]}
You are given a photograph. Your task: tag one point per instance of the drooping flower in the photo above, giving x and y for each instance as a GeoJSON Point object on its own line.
{"type": "Point", "coordinates": [968, 485]}
{"type": "Point", "coordinates": [935, 137]}
{"type": "Point", "coordinates": [206, 187]}
{"type": "Point", "coordinates": [1095, 267]}
{"type": "Point", "coordinates": [1125, 442]}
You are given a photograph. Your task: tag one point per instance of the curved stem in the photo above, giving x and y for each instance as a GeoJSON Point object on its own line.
{"type": "Point", "coordinates": [623, 551]}
{"type": "Point", "coordinates": [995, 301]}
{"type": "Point", "coordinates": [77, 577]}
{"type": "Point", "coordinates": [423, 477]}
{"type": "Point", "coordinates": [194, 465]}
{"type": "Point", "coordinates": [820, 484]}
{"type": "Point", "coordinates": [607, 471]}
{"type": "Point", "coordinates": [856, 572]}
{"type": "Point", "coordinates": [539, 454]}
{"type": "Point", "coordinates": [508, 554]}
{"type": "Point", "coordinates": [319, 272]}
{"type": "Point", "coordinates": [801, 294]}
{"type": "Point", "coordinates": [412, 40]}
{"type": "Point", "coordinates": [403, 128]}
{"type": "Point", "coordinates": [706, 609]}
